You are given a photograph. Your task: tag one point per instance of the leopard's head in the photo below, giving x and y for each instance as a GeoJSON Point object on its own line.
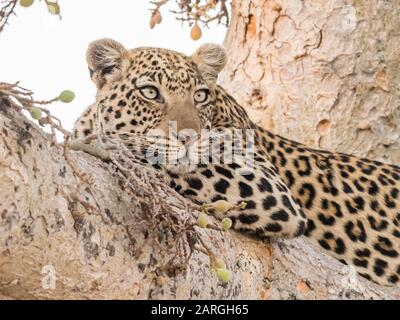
{"type": "Point", "coordinates": [144, 91]}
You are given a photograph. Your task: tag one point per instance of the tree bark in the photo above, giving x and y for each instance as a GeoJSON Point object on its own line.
{"type": "Point", "coordinates": [325, 73]}
{"type": "Point", "coordinates": [119, 235]}
{"type": "Point", "coordinates": [330, 69]}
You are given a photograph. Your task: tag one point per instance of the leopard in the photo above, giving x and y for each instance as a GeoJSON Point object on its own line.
{"type": "Point", "coordinates": [346, 205]}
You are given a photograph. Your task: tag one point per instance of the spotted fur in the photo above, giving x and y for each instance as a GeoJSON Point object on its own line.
{"type": "Point", "coordinates": [348, 206]}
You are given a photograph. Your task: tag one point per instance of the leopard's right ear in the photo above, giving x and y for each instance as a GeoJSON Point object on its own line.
{"type": "Point", "coordinates": [104, 58]}
{"type": "Point", "coordinates": [210, 59]}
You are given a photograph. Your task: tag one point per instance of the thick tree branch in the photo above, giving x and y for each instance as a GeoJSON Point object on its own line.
{"type": "Point", "coordinates": [121, 233]}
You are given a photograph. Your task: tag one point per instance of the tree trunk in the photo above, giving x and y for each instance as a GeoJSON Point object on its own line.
{"type": "Point", "coordinates": [113, 233]}
{"type": "Point", "coordinates": [325, 73]}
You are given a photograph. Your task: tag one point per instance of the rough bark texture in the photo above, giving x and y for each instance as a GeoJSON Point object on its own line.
{"type": "Point", "coordinates": [96, 238]}
{"type": "Point", "coordinates": [322, 72]}
{"type": "Point", "coordinates": [326, 73]}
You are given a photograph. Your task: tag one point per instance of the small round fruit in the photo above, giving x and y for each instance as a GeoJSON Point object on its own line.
{"type": "Point", "coordinates": [224, 275]}
{"type": "Point", "coordinates": [202, 220]}
{"type": "Point", "coordinates": [25, 3]}
{"type": "Point", "coordinates": [226, 223]}
{"type": "Point", "coordinates": [66, 96]}
{"type": "Point", "coordinates": [157, 17]}
{"type": "Point", "coordinates": [196, 32]}
{"type": "Point", "coordinates": [221, 206]}
{"type": "Point", "coordinates": [53, 7]}
{"type": "Point", "coordinates": [219, 264]}
{"type": "Point", "coordinates": [242, 205]}
{"type": "Point", "coordinates": [36, 113]}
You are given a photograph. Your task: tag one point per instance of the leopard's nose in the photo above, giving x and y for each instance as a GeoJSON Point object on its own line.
{"type": "Point", "coordinates": [186, 139]}
{"type": "Point", "coordinates": [187, 136]}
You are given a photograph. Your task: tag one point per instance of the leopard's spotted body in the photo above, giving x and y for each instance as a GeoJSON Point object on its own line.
{"type": "Point", "coordinates": [348, 206]}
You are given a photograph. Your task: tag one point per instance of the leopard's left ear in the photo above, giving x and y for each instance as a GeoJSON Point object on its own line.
{"type": "Point", "coordinates": [104, 58]}
{"type": "Point", "coordinates": [210, 59]}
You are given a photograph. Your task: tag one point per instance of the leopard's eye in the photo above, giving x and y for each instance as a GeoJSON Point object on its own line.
{"type": "Point", "coordinates": [149, 92]}
{"type": "Point", "coordinates": [201, 95]}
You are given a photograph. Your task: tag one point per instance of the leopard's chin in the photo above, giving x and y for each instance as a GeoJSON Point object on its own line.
{"type": "Point", "coordinates": [181, 169]}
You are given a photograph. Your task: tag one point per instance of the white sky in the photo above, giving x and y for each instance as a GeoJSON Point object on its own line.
{"type": "Point", "coordinates": [48, 55]}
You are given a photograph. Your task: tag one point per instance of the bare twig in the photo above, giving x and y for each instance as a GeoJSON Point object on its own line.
{"type": "Point", "coordinates": [193, 11]}
{"type": "Point", "coordinates": [25, 101]}
{"type": "Point", "coordinates": [6, 11]}
{"type": "Point", "coordinates": [164, 220]}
